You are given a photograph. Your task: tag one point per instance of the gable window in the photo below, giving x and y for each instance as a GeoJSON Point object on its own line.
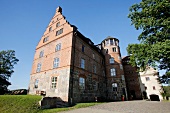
{"type": "Point", "coordinates": [41, 54]}
{"type": "Point", "coordinates": [38, 67]}
{"type": "Point", "coordinates": [83, 47]}
{"type": "Point", "coordinates": [36, 83]}
{"type": "Point", "coordinates": [59, 32]}
{"type": "Point", "coordinates": [56, 62]}
{"type": "Point", "coordinates": [58, 47]}
{"type": "Point", "coordinates": [147, 78]}
{"type": "Point", "coordinates": [82, 83]}
{"type": "Point", "coordinates": [94, 68]}
{"type": "Point", "coordinates": [114, 86]}
{"type": "Point", "coordinates": [50, 29]}
{"type": "Point", "coordinates": [113, 72]}
{"type": "Point", "coordinates": [111, 60]}
{"type": "Point", "coordinates": [53, 82]}
{"type": "Point", "coordinates": [58, 24]}
{"type": "Point", "coordinates": [82, 65]}
{"type": "Point", "coordinates": [45, 39]}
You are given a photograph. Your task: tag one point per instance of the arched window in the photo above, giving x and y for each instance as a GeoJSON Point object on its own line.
{"type": "Point", "coordinates": [111, 60]}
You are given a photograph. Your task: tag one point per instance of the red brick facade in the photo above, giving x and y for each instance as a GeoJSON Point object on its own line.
{"type": "Point", "coordinates": [68, 65]}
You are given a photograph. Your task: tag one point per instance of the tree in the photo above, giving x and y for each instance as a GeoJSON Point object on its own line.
{"type": "Point", "coordinates": [7, 62]}
{"type": "Point", "coordinates": [165, 78]}
{"type": "Point", "coordinates": [153, 18]}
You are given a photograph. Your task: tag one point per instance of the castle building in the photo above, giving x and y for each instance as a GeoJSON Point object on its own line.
{"type": "Point", "coordinates": [68, 65]}
{"type": "Point", "coordinates": [151, 87]}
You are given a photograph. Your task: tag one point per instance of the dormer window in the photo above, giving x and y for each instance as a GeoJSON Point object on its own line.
{"type": "Point", "coordinates": [45, 39]}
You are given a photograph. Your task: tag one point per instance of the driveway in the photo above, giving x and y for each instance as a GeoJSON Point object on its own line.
{"type": "Point", "coordinates": [126, 107]}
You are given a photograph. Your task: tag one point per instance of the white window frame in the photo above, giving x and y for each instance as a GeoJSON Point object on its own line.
{"type": "Point", "coordinates": [114, 86]}
{"type": "Point", "coordinates": [81, 83]}
{"type": "Point", "coordinates": [36, 83]}
{"type": "Point", "coordinates": [41, 54]}
{"type": "Point", "coordinates": [82, 63]}
{"type": "Point", "coordinates": [58, 47]}
{"type": "Point", "coordinates": [56, 62]}
{"type": "Point", "coordinates": [53, 82]}
{"type": "Point", "coordinates": [38, 67]}
{"type": "Point", "coordinates": [113, 72]}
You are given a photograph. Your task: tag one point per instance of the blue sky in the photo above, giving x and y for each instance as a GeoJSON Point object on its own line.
{"type": "Point", "coordinates": [23, 22]}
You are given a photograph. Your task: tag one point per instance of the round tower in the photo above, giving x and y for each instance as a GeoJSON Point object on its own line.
{"type": "Point", "coordinates": [114, 68]}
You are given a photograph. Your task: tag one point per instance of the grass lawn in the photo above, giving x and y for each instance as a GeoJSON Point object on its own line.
{"type": "Point", "coordinates": [29, 104]}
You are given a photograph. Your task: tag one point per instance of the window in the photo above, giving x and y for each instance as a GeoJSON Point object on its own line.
{"type": "Point", "coordinates": [82, 83]}
{"type": "Point", "coordinates": [121, 67]}
{"type": "Point", "coordinates": [119, 57]}
{"type": "Point", "coordinates": [82, 65]}
{"type": "Point", "coordinates": [113, 72]}
{"type": "Point", "coordinates": [147, 78]}
{"type": "Point", "coordinates": [111, 41]}
{"type": "Point", "coordinates": [58, 47]}
{"type": "Point", "coordinates": [56, 62]}
{"type": "Point", "coordinates": [107, 50]}
{"type": "Point", "coordinates": [83, 47]}
{"type": "Point", "coordinates": [36, 83]}
{"type": "Point", "coordinates": [103, 73]}
{"type": "Point", "coordinates": [38, 67]}
{"type": "Point", "coordinates": [93, 56]}
{"type": "Point", "coordinates": [45, 39]}
{"type": "Point", "coordinates": [114, 49]}
{"type": "Point", "coordinates": [154, 88]}
{"type": "Point", "coordinates": [107, 42]}
{"type": "Point", "coordinates": [41, 54]}
{"type": "Point", "coordinates": [59, 32]}
{"type": "Point", "coordinates": [114, 86]}
{"type": "Point", "coordinates": [111, 60]}
{"type": "Point", "coordinates": [50, 29]}
{"type": "Point", "coordinates": [53, 82]}
{"type": "Point", "coordinates": [94, 85]}
{"type": "Point", "coordinates": [94, 68]}
{"type": "Point", "coordinates": [58, 24]}
{"type": "Point", "coordinates": [123, 77]}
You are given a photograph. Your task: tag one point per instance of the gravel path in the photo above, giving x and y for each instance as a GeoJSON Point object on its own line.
{"type": "Point", "coordinates": [126, 107]}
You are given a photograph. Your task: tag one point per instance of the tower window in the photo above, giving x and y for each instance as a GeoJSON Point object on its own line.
{"type": "Point", "coordinates": [114, 86]}
{"type": "Point", "coordinates": [154, 88]}
{"type": "Point", "coordinates": [111, 41]}
{"type": "Point", "coordinates": [114, 49]}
